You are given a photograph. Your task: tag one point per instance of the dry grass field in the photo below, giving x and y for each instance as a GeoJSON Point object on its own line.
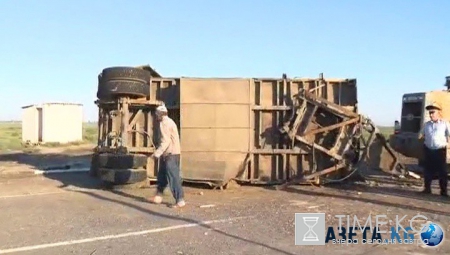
{"type": "Point", "coordinates": [11, 135]}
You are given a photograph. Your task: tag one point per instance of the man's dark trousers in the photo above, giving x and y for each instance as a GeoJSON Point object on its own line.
{"type": "Point", "coordinates": [169, 174]}
{"type": "Point", "coordinates": [436, 164]}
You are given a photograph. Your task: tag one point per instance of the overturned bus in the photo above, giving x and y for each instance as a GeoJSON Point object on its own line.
{"type": "Point", "coordinates": [253, 130]}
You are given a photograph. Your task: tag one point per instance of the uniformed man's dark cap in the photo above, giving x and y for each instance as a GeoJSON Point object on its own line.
{"type": "Point", "coordinates": [434, 106]}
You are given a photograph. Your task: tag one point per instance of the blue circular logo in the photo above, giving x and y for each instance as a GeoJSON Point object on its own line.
{"type": "Point", "coordinates": [432, 234]}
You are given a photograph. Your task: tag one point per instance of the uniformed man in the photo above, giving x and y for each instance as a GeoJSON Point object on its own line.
{"type": "Point", "coordinates": [435, 135]}
{"type": "Point", "coordinates": [169, 154]}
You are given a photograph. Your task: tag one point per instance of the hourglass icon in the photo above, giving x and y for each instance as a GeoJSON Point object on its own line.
{"type": "Point", "coordinates": [310, 234]}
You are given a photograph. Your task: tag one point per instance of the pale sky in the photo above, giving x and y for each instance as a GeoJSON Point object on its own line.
{"type": "Point", "coordinates": [52, 51]}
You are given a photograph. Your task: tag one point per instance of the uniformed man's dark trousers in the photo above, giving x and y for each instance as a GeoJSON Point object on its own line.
{"type": "Point", "coordinates": [436, 166]}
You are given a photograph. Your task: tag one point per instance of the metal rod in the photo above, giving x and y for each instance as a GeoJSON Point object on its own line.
{"type": "Point", "coordinates": [323, 172]}
{"type": "Point", "coordinates": [125, 120]}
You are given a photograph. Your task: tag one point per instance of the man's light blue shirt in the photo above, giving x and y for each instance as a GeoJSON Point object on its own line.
{"type": "Point", "coordinates": [436, 133]}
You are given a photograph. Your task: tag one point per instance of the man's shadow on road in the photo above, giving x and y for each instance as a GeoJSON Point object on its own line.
{"type": "Point", "coordinates": [87, 183]}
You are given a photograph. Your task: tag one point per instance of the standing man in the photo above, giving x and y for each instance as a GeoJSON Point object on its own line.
{"type": "Point", "coordinates": [169, 164]}
{"type": "Point", "coordinates": [435, 133]}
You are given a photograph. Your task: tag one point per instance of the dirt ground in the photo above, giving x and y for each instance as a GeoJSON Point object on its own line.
{"type": "Point", "coordinates": [72, 214]}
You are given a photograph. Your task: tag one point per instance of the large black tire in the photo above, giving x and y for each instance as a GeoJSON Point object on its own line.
{"type": "Point", "coordinates": [125, 73]}
{"type": "Point", "coordinates": [122, 161]}
{"type": "Point", "coordinates": [122, 176]}
{"type": "Point", "coordinates": [111, 89]}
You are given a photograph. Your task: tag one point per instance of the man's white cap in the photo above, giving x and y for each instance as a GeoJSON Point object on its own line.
{"type": "Point", "coordinates": [161, 108]}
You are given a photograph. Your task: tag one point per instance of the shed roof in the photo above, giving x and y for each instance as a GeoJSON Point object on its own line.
{"type": "Point", "coordinates": [52, 103]}
{"type": "Point", "coordinates": [29, 106]}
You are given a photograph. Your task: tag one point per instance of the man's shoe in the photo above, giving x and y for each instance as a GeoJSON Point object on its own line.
{"type": "Point", "coordinates": [426, 191]}
{"type": "Point", "coordinates": [179, 204]}
{"type": "Point", "coordinates": [156, 199]}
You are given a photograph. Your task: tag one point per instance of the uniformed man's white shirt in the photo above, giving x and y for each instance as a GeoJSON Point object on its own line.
{"type": "Point", "coordinates": [436, 133]}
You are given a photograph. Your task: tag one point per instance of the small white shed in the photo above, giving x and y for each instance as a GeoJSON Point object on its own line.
{"type": "Point", "coordinates": [52, 123]}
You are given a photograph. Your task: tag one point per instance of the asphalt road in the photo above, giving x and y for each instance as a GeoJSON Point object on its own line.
{"type": "Point", "coordinates": [70, 214]}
